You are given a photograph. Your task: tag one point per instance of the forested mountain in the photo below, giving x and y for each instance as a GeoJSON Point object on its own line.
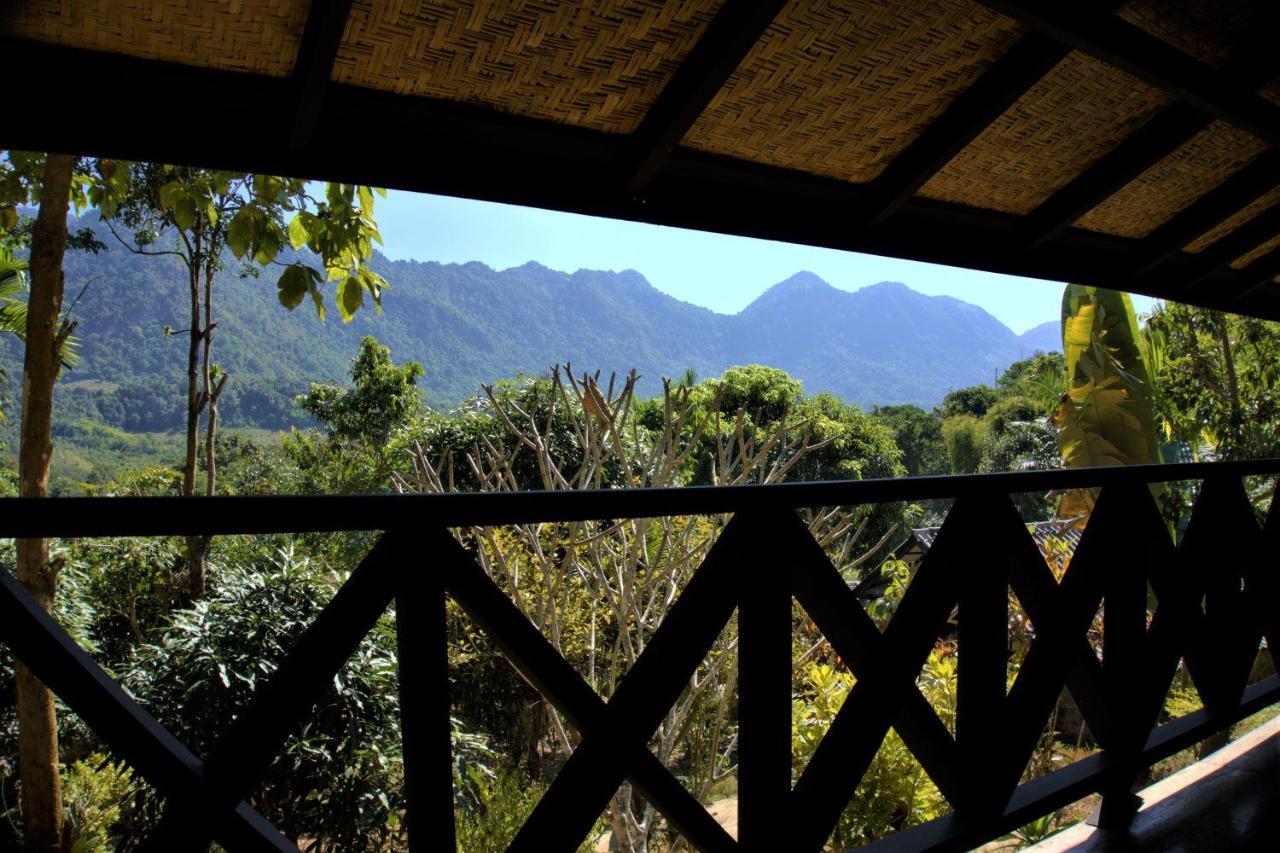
{"type": "Point", "coordinates": [1046, 337]}
{"type": "Point", "coordinates": [469, 324]}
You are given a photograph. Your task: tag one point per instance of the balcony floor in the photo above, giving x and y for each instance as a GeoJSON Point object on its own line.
{"type": "Point", "coordinates": [1228, 801]}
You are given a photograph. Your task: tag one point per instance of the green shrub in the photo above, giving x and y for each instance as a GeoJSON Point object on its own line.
{"type": "Point", "coordinates": [1011, 410]}
{"type": "Point", "coordinates": [133, 586]}
{"type": "Point", "coordinates": [963, 436]}
{"type": "Point", "coordinates": [503, 799]}
{"type": "Point", "coordinates": [973, 400]}
{"type": "Point", "coordinates": [338, 779]}
{"type": "Point", "coordinates": [95, 792]}
{"type": "Point", "coordinates": [895, 792]}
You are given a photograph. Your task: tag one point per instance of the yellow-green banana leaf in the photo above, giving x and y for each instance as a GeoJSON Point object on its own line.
{"type": "Point", "coordinates": [1105, 417]}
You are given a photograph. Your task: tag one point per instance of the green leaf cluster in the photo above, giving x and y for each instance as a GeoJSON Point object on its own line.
{"type": "Point", "coordinates": [197, 213]}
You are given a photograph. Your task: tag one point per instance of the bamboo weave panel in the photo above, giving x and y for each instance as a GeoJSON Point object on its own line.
{"type": "Point", "coordinates": [258, 36]}
{"type": "Point", "coordinates": [599, 65]}
{"type": "Point", "coordinates": [840, 88]}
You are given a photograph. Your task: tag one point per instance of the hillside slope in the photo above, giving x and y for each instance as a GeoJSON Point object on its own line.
{"type": "Point", "coordinates": [468, 323]}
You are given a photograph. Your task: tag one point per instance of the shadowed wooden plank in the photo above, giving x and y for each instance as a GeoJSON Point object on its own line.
{"type": "Point", "coordinates": [582, 788]}
{"type": "Point", "coordinates": [552, 676]}
{"type": "Point", "coordinates": [735, 29]}
{"type": "Point", "coordinates": [422, 645]}
{"type": "Point", "coordinates": [320, 41]}
{"type": "Point", "coordinates": [886, 666]}
{"type": "Point", "coordinates": [252, 741]}
{"type": "Point", "coordinates": [764, 687]}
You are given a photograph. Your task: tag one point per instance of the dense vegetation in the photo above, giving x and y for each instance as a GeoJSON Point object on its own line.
{"type": "Point", "coordinates": [358, 421]}
{"type": "Point", "coordinates": [883, 344]}
{"type": "Point", "coordinates": [125, 598]}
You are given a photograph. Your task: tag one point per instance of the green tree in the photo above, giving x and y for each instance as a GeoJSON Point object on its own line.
{"type": "Point", "coordinates": [973, 400]}
{"type": "Point", "coordinates": [1011, 410]}
{"type": "Point", "coordinates": [382, 400]}
{"type": "Point", "coordinates": [49, 181]}
{"type": "Point", "coordinates": [1042, 378]}
{"type": "Point", "coordinates": [919, 435]}
{"type": "Point", "coordinates": [766, 394]}
{"type": "Point", "coordinates": [1217, 379]}
{"type": "Point", "coordinates": [199, 216]}
{"type": "Point", "coordinates": [963, 436]}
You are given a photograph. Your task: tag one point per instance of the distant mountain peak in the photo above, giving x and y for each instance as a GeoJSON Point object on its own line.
{"type": "Point", "coordinates": [469, 323]}
{"type": "Point", "coordinates": [803, 280]}
{"type": "Point", "coordinates": [891, 287]}
{"type": "Point", "coordinates": [800, 288]}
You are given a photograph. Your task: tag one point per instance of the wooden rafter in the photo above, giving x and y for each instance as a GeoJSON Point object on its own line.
{"type": "Point", "coordinates": [1211, 209]}
{"type": "Point", "coordinates": [971, 113]}
{"type": "Point", "coordinates": [728, 39]}
{"type": "Point", "coordinates": [1254, 277]}
{"type": "Point", "coordinates": [1221, 253]}
{"type": "Point", "coordinates": [1091, 28]}
{"type": "Point", "coordinates": [320, 42]}
{"type": "Point", "coordinates": [1146, 147]}
{"type": "Point", "coordinates": [446, 147]}
{"type": "Point", "coordinates": [1164, 134]}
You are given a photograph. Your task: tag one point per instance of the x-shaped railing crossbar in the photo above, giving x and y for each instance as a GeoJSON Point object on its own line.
{"type": "Point", "coordinates": [1210, 598]}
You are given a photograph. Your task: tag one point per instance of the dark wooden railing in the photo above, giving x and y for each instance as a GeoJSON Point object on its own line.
{"type": "Point", "coordinates": [1215, 599]}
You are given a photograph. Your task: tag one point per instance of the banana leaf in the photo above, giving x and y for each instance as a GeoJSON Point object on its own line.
{"type": "Point", "coordinates": [1105, 417]}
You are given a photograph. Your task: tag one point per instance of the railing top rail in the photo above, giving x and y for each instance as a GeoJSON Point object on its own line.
{"type": "Point", "coordinates": [163, 516]}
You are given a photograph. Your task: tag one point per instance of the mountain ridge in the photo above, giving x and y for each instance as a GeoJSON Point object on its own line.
{"type": "Point", "coordinates": [469, 323]}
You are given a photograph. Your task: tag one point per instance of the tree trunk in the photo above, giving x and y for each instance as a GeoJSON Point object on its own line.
{"type": "Point", "coordinates": [212, 391]}
{"type": "Point", "coordinates": [37, 723]}
{"type": "Point", "coordinates": [1248, 429]}
{"type": "Point", "coordinates": [196, 545]}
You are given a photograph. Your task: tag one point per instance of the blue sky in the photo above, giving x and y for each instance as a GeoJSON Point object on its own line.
{"type": "Point", "coordinates": [713, 270]}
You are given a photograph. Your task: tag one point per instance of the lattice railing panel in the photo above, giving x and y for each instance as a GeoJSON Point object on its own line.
{"type": "Point", "coordinates": [1214, 601]}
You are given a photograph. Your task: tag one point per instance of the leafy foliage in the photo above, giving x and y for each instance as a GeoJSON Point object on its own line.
{"type": "Point", "coordinates": [963, 436]}
{"type": "Point", "coordinates": [973, 400]}
{"type": "Point", "coordinates": [1217, 380]}
{"type": "Point", "coordinates": [96, 791]}
{"type": "Point", "coordinates": [382, 399]}
{"type": "Point", "coordinates": [1041, 378]}
{"type": "Point", "coordinates": [337, 779]}
{"type": "Point", "coordinates": [918, 434]}
{"type": "Point", "coordinates": [1105, 417]}
{"type": "Point", "coordinates": [199, 212]}
{"type": "Point", "coordinates": [895, 792]}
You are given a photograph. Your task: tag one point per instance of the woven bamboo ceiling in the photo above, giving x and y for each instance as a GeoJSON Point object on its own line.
{"type": "Point", "coordinates": [1125, 144]}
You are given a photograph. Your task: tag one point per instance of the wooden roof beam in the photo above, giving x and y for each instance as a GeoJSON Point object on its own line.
{"type": "Point", "coordinates": [972, 112]}
{"type": "Point", "coordinates": [969, 114]}
{"type": "Point", "coordinates": [728, 39]}
{"type": "Point", "coordinates": [1148, 145]}
{"type": "Point", "coordinates": [1091, 28]}
{"type": "Point", "coordinates": [1202, 215]}
{"type": "Point", "coordinates": [1218, 256]}
{"type": "Point", "coordinates": [450, 148]}
{"type": "Point", "coordinates": [313, 68]}
{"type": "Point", "coordinates": [1255, 277]}
{"type": "Point", "coordinates": [1171, 128]}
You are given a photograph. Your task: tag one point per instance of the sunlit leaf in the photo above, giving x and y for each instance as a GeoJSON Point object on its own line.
{"type": "Point", "coordinates": [293, 285]}
{"type": "Point", "coordinates": [1105, 417]}
{"type": "Point", "coordinates": [350, 298]}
